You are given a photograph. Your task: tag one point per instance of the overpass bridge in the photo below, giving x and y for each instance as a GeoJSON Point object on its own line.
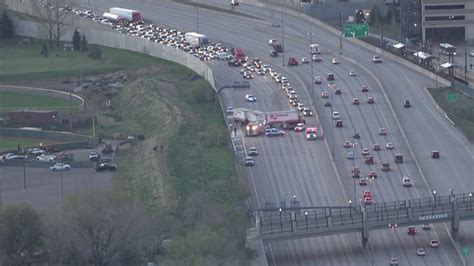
{"type": "Point", "coordinates": [302, 222]}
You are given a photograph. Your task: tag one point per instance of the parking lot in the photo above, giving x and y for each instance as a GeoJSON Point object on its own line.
{"type": "Point", "coordinates": [43, 187]}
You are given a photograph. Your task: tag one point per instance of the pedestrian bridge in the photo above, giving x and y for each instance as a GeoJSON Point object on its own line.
{"type": "Point", "coordinates": [302, 222]}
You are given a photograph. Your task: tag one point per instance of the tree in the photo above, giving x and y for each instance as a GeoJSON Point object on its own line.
{"type": "Point", "coordinates": [375, 15]}
{"type": "Point", "coordinates": [53, 18]}
{"type": "Point", "coordinates": [21, 232]}
{"type": "Point", "coordinates": [6, 26]}
{"type": "Point", "coordinates": [84, 43]}
{"type": "Point", "coordinates": [76, 40]}
{"type": "Point", "coordinates": [44, 50]}
{"type": "Point", "coordinates": [359, 16]}
{"type": "Point", "coordinates": [102, 228]}
{"type": "Point", "coordinates": [95, 53]}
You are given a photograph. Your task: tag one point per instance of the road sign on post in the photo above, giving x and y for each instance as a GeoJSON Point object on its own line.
{"type": "Point", "coordinates": [360, 30]}
{"type": "Point", "coordinates": [466, 251]}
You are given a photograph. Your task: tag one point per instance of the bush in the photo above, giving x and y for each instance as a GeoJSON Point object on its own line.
{"type": "Point", "coordinates": [44, 50]}
{"type": "Point", "coordinates": [95, 53]}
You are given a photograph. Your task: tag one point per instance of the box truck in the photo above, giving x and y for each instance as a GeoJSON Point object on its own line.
{"type": "Point", "coordinates": [314, 48]}
{"type": "Point", "coordinates": [128, 14]}
{"type": "Point", "coordinates": [112, 17]}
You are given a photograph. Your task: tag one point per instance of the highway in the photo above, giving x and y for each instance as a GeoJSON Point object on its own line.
{"type": "Point", "coordinates": [291, 165]}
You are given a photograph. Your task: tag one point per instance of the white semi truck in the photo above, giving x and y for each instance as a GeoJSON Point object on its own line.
{"type": "Point", "coordinates": [314, 48]}
{"type": "Point", "coordinates": [128, 14]}
{"type": "Point", "coordinates": [196, 39]}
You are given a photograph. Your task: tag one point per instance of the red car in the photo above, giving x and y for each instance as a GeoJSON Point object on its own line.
{"type": "Point", "coordinates": [373, 174]}
{"type": "Point", "coordinates": [292, 61]}
{"type": "Point", "coordinates": [411, 230]}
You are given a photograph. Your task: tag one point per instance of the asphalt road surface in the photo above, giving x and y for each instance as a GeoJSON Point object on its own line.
{"type": "Point", "coordinates": [291, 165]}
{"type": "Point", "coordinates": [43, 187]}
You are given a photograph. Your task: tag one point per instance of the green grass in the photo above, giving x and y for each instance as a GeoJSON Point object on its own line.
{"type": "Point", "coordinates": [12, 101]}
{"type": "Point", "coordinates": [459, 108]}
{"type": "Point", "coordinates": [26, 63]}
{"type": "Point", "coordinates": [8, 143]}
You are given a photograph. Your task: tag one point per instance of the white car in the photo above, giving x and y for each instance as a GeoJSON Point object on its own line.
{"type": "Point", "coordinates": [352, 73]}
{"type": "Point", "coordinates": [389, 146]}
{"type": "Point", "coordinates": [60, 167]}
{"type": "Point", "coordinates": [377, 59]}
{"type": "Point", "coordinates": [317, 80]}
{"type": "Point", "coordinates": [250, 98]}
{"type": "Point", "coordinates": [300, 107]}
{"type": "Point", "coordinates": [406, 181]}
{"type": "Point", "coordinates": [336, 115]}
{"type": "Point", "coordinates": [229, 110]}
{"type": "Point", "coordinates": [421, 252]}
{"type": "Point", "coordinates": [350, 155]}
{"type": "Point", "coordinates": [272, 42]}
{"type": "Point", "coordinates": [300, 127]}
{"type": "Point", "coordinates": [434, 243]}
{"type": "Point", "coordinates": [304, 60]}
{"type": "Point", "coordinates": [46, 158]}
{"type": "Point", "coordinates": [471, 53]}
{"type": "Point", "coordinates": [316, 58]}
{"type": "Point", "coordinates": [252, 151]}
{"type": "Point", "coordinates": [335, 61]}
{"type": "Point", "coordinates": [266, 68]}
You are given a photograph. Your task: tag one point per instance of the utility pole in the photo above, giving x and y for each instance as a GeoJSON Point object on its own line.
{"type": "Point", "coordinates": [197, 17]}
{"type": "Point", "coordinates": [465, 66]}
{"type": "Point", "coordinates": [282, 37]}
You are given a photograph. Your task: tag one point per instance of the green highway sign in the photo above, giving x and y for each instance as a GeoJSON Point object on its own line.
{"type": "Point", "coordinates": [466, 251]}
{"type": "Point", "coordinates": [356, 30]}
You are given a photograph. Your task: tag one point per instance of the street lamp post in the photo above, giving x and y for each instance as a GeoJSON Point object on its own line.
{"type": "Point", "coordinates": [350, 208]}
{"type": "Point", "coordinates": [310, 58]}
{"type": "Point", "coordinates": [306, 219]}
{"type": "Point", "coordinates": [197, 16]}
{"type": "Point", "coordinates": [434, 197]}
{"type": "Point", "coordinates": [470, 201]}
{"type": "Point", "coordinates": [332, 125]}
{"type": "Point", "coordinates": [282, 37]}
{"type": "Point", "coordinates": [353, 167]}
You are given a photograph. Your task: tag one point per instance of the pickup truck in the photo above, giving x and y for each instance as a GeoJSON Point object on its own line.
{"type": "Point", "coordinates": [60, 167]}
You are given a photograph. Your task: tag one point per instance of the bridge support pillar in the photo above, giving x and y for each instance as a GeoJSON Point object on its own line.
{"type": "Point", "coordinates": [293, 222]}
{"type": "Point", "coordinates": [455, 221]}
{"type": "Point", "coordinates": [365, 228]}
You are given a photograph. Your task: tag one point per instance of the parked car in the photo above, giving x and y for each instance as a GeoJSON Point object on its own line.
{"type": "Point", "coordinates": [105, 166]}
{"type": "Point", "coordinates": [94, 156]}
{"type": "Point", "coordinates": [60, 167]}
{"type": "Point", "coordinates": [46, 158]}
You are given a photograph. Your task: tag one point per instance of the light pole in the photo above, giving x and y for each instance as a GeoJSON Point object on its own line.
{"type": "Point", "coordinates": [282, 37]}
{"type": "Point", "coordinates": [350, 208]}
{"type": "Point", "coordinates": [353, 167]}
{"type": "Point", "coordinates": [434, 197]}
{"type": "Point", "coordinates": [470, 201]}
{"type": "Point", "coordinates": [332, 126]}
{"type": "Point", "coordinates": [306, 219]}
{"type": "Point", "coordinates": [310, 58]}
{"type": "Point", "coordinates": [197, 17]}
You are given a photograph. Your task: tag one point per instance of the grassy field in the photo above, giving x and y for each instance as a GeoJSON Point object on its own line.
{"type": "Point", "coordinates": [8, 143]}
{"type": "Point", "coordinates": [12, 101]}
{"type": "Point", "coordinates": [459, 108]}
{"type": "Point", "coordinates": [193, 173]}
{"type": "Point", "coordinates": [26, 63]}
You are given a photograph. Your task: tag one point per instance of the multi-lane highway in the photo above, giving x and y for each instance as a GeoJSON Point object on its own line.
{"type": "Point", "coordinates": [291, 165]}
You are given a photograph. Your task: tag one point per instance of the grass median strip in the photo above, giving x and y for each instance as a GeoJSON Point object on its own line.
{"type": "Point", "coordinates": [459, 108]}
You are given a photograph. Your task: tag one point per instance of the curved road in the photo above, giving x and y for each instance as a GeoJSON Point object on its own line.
{"type": "Point", "coordinates": [291, 165]}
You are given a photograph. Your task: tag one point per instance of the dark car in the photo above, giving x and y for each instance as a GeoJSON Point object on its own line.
{"type": "Point", "coordinates": [234, 63]}
{"type": "Point", "coordinates": [106, 166]}
{"type": "Point", "coordinates": [274, 53]}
